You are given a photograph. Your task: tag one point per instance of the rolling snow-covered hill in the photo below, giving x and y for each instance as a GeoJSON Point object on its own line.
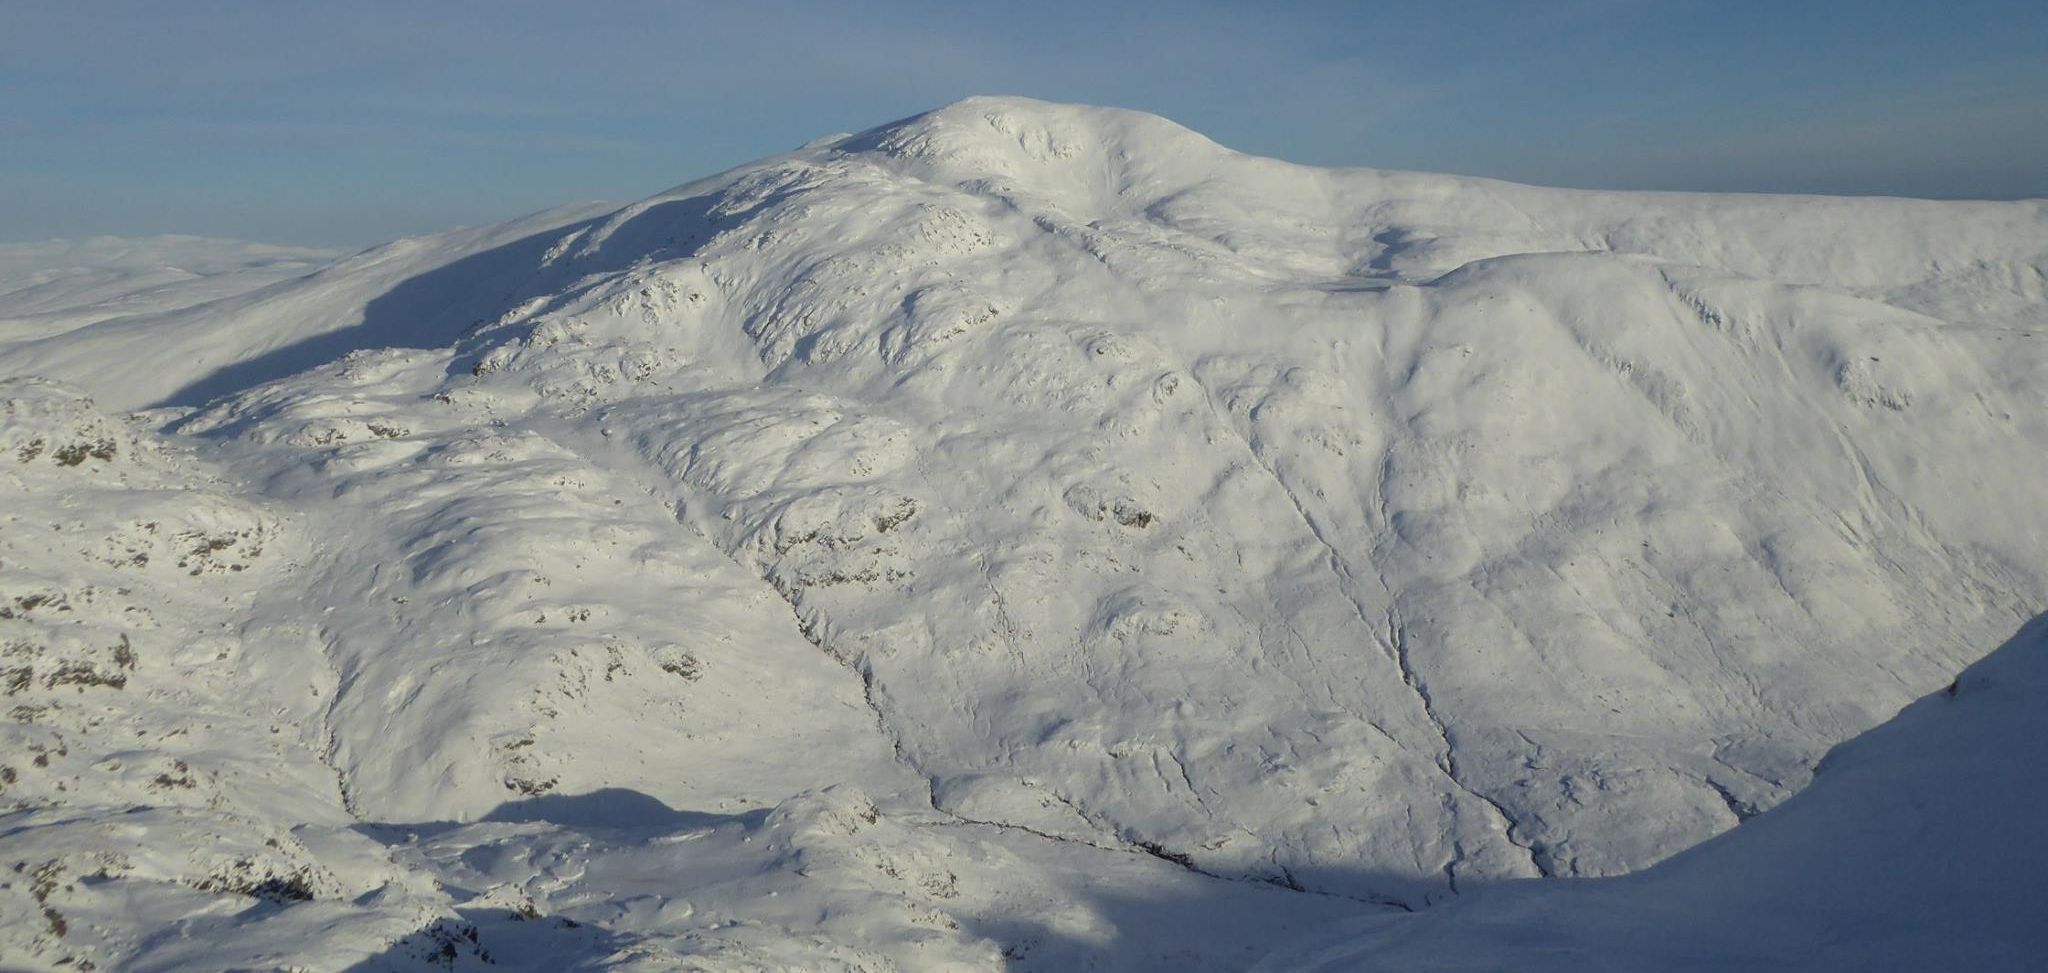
{"type": "Point", "coordinates": [1010, 536]}
{"type": "Point", "coordinates": [52, 287]}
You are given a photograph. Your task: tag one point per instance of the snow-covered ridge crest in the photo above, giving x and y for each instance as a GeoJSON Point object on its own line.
{"type": "Point", "coordinates": [1094, 505]}
{"type": "Point", "coordinates": [1087, 176]}
{"type": "Point", "coordinates": [1010, 145]}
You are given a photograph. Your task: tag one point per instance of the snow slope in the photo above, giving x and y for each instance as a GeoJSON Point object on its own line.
{"type": "Point", "coordinates": [1140, 529]}
{"type": "Point", "coordinates": [236, 739]}
{"type": "Point", "coordinates": [191, 352]}
{"type": "Point", "coordinates": [1914, 849]}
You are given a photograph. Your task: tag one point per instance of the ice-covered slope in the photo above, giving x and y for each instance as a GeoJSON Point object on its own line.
{"type": "Point", "coordinates": [1914, 849]}
{"type": "Point", "coordinates": [1056, 469]}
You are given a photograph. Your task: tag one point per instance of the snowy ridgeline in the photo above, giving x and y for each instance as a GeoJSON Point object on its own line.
{"type": "Point", "coordinates": [1031, 536]}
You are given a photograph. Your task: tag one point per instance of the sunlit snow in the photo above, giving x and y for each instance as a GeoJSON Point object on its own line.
{"type": "Point", "coordinates": [1031, 536]}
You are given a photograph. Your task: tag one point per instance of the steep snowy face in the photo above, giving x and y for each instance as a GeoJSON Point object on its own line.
{"type": "Point", "coordinates": [1352, 529]}
{"type": "Point", "coordinates": [1054, 468]}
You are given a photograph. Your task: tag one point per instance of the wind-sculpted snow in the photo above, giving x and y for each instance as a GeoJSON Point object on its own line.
{"type": "Point", "coordinates": [1143, 531]}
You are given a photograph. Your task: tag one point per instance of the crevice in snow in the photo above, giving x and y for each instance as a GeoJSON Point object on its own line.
{"type": "Point", "coordinates": [1187, 781]}
{"type": "Point", "coordinates": [1743, 810]}
{"type": "Point", "coordinates": [330, 751]}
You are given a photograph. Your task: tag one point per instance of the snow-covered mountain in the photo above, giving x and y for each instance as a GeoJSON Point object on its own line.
{"type": "Point", "coordinates": [1010, 536]}
{"type": "Point", "coordinates": [51, 287]}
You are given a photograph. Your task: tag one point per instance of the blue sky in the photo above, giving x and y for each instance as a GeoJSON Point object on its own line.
{"type": "Point", "coordinates": [352, 121]}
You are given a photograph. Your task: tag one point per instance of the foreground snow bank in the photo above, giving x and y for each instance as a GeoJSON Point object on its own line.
{"type": "Point", "coordinates": [1915, 848]}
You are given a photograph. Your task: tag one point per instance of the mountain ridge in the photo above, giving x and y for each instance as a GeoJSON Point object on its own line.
{"type": "Point", "coordinates": [1413, 248]}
